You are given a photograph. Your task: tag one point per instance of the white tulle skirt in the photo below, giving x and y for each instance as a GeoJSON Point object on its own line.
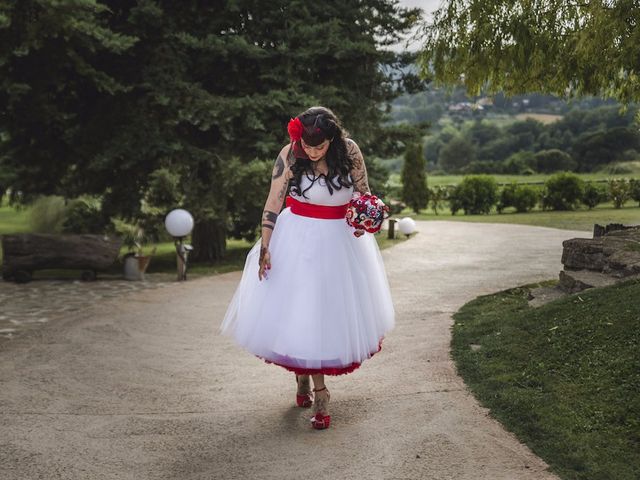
{"type": "Point", "coordinates": [325, 305]}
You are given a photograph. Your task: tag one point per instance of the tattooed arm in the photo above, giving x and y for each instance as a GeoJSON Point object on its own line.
{"type": "Point", "coordinates": [359, 170]}
{"type": "Point", "coordinates": [280, 177]}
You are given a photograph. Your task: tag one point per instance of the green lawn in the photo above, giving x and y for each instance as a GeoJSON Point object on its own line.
{"type": "Point", "coordinates": [563, 377]}
{"type": "Point", "coordinates": [435, 180]}
{"type": "Point", "coordinates": [582, 219]}
{"type": "Point", "coordinates": [13, 220]}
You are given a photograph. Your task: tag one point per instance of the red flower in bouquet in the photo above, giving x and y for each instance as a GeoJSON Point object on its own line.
{"type": "Point", "coordinates": [295, 129]}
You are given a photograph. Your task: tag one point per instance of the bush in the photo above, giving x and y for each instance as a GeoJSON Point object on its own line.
{"type": "Point", "coordinates": [593, 195]}
{"type": "Point", "coordinates": [437, 195]}
{"type": "Point", "coordinates": [619, 191]}
{"type": "Point", "coordinates": [47, 214]}
{"type": "Point", "coordinates": [562, 191]}
{"type": "Point", "coordinates": [83, 215]}
{"type": "Point", "coordinates": [634, 187]}
{"type": "Point", "coordinates": [475, 195]}
{"type": "Point", "coordinates": [522, 197]}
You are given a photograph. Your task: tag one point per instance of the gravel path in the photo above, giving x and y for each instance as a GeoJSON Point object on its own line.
{"type": "Point", "coordinates": [144, 387]}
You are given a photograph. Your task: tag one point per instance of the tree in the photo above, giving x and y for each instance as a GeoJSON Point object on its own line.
{"type": "Point", "coordinates": [96, 96]}
{"type": "Point", "coordinates": [555, 46]}
{"type": "Point", "coordinates": [550, 161]}
{"type": "Point", "coordinates": [414, 182]}
{"type": "Point", "coordinates": [456, 154]}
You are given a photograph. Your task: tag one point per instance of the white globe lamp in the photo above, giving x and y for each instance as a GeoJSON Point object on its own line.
{"type": "Point", "coordinates": [407, 226]}
{"type": "Point", "coordinates": [179, 224]}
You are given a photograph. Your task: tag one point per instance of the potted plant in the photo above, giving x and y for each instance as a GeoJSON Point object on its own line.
{"type": "Point", "coordinates": [135, 261]}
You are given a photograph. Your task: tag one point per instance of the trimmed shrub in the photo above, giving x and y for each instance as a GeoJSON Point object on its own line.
{"type": "Point", "coordinates": [634, 187]}
{"type": "Point", "coordinates": [562, 191]}
{"type": "Point", "coordinates": [619, 191]}
{"type": "Point", "coordinates": [475, 195]}
{"type": "Point", "coordinates": [593, 195]}
{"type": "Point", "coordinates": [522, 197]}
{"type": "Point", "coordinates": [83, 215]}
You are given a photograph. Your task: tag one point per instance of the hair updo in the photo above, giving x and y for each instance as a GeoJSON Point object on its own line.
{"type": "Point", "coordinates": [321, 124]}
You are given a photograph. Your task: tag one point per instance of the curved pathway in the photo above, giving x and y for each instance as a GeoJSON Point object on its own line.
{"type": "Point", "coordinates": [147, 389]}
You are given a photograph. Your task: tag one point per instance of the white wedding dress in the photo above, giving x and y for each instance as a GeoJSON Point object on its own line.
{"type": "Point", "coordinates": [325, 305]}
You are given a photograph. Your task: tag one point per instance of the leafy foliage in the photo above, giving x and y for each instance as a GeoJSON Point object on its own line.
{"type": "Point", "coordinates": [553, 46]}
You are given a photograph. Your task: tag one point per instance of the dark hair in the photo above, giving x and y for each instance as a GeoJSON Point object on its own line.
{"type": "Point", "coordinates": [321, 124]}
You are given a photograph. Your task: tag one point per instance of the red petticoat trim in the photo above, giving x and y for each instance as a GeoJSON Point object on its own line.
{"type": "Point", "coordinates": [323, 371]}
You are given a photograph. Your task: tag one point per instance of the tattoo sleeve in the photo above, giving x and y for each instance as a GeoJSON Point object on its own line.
{"type": "Point", "coordinates": [269, 219]}
{"type": "Point", "coordinates": [278, 168]}
{"type": "Point", "coordinates": [359, 170]}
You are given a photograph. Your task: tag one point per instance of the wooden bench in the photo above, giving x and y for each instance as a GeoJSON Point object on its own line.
{"type": "Point", "coordinates": [25, 253]}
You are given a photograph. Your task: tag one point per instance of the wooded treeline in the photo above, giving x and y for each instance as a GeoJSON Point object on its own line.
{"type": "Point", "coordinates": [153, 104]}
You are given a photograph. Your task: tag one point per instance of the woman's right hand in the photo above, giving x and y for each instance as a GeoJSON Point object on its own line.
{"type": "Point", "coordinates": [264, 262]}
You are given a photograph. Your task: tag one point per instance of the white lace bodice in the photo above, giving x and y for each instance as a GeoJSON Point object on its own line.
{"type": "Point", "coordinates": [319, 193]}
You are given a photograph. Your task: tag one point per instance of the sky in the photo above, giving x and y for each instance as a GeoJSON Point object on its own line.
{"type": "Point", "coordinates": [427, 5]}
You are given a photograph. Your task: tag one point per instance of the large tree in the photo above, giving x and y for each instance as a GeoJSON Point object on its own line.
{"type": "Point", "coordinates": [564, 47]}
{"type": "Point", "coordinates": [96, 96]}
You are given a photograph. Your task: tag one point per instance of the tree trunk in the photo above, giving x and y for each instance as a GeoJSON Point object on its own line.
{"type": "Point", "coordinates": [209, 240]}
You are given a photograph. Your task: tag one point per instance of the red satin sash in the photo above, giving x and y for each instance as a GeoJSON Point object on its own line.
{"type": "Point", "coordinates": [316, 211]}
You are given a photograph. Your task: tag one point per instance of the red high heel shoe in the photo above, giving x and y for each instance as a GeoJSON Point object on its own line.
{"type": "Point", "coordinates": [304, 400]}
{"type": "Point", "coordinates": [320, 421]}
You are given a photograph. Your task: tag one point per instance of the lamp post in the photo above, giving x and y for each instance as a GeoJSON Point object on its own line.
{"type": "Point", "coordinates": [179, 224]}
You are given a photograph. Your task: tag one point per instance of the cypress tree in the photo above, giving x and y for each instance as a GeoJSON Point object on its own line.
{"type": "Point", "coordinates": [414, 180]}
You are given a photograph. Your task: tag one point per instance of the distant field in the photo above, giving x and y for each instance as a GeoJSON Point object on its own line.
{"type": "Point", "coordinates": [545, 118]}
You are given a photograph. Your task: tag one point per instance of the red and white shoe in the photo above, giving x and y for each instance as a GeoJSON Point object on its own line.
{"type": "Point", "coordinates": [321, 420]}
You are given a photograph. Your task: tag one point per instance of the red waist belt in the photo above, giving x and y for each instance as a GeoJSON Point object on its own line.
{"type": "Point", "coordinates": [316, 211]}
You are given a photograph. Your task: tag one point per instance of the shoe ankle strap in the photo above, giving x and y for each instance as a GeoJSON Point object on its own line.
{"type": "Point", "coordinates": [319, 389]}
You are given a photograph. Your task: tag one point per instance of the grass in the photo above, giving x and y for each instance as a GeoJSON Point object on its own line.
{"type": "Point", "coordinates": [563, 377]}
{"type": "Point", "coordinates": [13, 220]}
{"type": "Point", "coordinates": [537, 179]}
{"type": "Point", "coordinates": [582, 219]}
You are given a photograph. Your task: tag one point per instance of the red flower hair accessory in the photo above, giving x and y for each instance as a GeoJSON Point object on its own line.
{"type": "Point", "coordinates": [295, 129]}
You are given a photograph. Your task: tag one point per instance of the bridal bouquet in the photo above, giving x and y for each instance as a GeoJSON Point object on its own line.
{"type": "Point", "coordinates": [366, 212]}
